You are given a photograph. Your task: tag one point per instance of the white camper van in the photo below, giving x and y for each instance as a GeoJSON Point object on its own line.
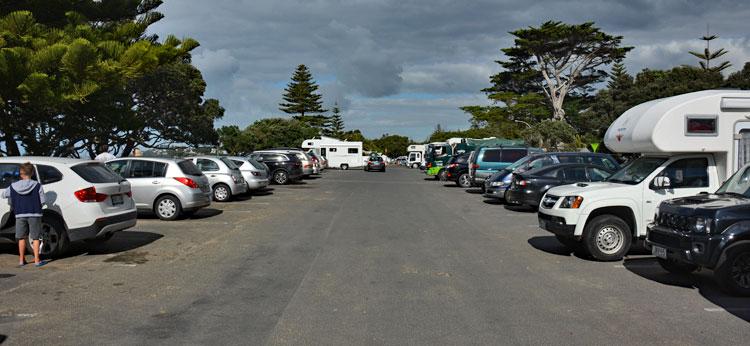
{"type": "Point", "coordinates": [342, 154]}
{"type": "Point", "coordinates": [689, 143]}
{"type": "Point", "coordinates": [416, 155]}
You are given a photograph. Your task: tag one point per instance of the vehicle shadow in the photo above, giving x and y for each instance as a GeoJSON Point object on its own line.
{"type": "Point", "coordinates": [3, 338]}
{"type": "Point", "coordinates": [520, 208]}
{"type": "Point", "coordinates": [297, 182]}
{"type": "Point", "coordinates": [430, 179]}
{"type": "Point", "coordinates": [263, 192]}
{"type": "Point", "coordinates": [120, 242]}
{"type": "Point", "coordinates": [493, 201]}
{"type": "Point", "coordinates": [451, 185]}
{"type": "Point", "coordinates": [243, 197]}
{"type": "Point", "coordinates": [550, 245]}
{"type": "Point", "coordinates": [648, 268]}
{"type": "Point", "coordinates": [205, 213]}
{"type": "Point", "coordinates": [474, 190]}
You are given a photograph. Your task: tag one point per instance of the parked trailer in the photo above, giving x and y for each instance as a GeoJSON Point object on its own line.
{"type": "Point", "coordinates": [341, 154]}
{"type": "Point", "coordinates": [689, 144]}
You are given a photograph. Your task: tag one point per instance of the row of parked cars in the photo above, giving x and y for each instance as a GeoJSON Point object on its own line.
{"type": "Point", "coordinates": [90, 200]}
{"type": "Point", "coordinates": [679, 234]}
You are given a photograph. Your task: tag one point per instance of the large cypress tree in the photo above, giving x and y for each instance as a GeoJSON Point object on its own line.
{"type": "Point", "coordinates": [300, 95]}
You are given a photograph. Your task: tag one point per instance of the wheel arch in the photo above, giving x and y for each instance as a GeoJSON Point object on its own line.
{"type": "Point", "coordinates": [153, 205]}
{"type": "Point", "coordinates": [623, 212]}
{"type": "Point", "coordinates": [54, 214]}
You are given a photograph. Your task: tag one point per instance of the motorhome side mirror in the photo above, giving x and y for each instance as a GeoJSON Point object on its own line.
{"type": "Point", "coordinates": [662, 182]}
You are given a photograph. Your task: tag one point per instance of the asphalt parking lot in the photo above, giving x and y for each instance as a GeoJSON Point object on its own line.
{"type": "Point", "coordinates": [357, 258]}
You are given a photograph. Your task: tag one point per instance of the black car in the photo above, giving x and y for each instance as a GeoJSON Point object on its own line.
{"type": "Point", "coordinates": [529, 187]}
{"type": "Point", "coordinates": [282, 168]}
{"type": "Point", "coordinates": [710, 231]}
{"type": "Point", "coordinates": [497, 184]}
{"type": "Point", "coordinates": [457, 170]}
{"type": "Point", "coordinates": [375, 163]}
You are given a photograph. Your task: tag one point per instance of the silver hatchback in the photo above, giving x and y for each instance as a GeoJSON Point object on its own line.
{"type": "Point", "coordinates": [223, 175]}
{"type": "Point", "coordinates": [254, 172]}
{"type": "Point", "coordinates": [168, 187]}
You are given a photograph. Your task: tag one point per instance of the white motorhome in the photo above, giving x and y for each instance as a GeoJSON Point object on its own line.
{"type": "Point", "coordinates": [689, 143]}
{"type": "Point", "coordinates": [416, 155]}
{"type": "Point", "coordinates": [342, 154]}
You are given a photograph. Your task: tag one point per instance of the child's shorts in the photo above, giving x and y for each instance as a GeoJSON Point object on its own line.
{"type": "Point", "coordinates": [29, 226]}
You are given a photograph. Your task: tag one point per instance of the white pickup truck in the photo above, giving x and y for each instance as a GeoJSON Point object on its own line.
{"type": "Point", "coordinates": [690, 144]}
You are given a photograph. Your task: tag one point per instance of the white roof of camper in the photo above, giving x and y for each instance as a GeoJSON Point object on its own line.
{"type": "Point", "coordinates": [323, 140]}
{"type": "Point", "coordinates": [659, 126]}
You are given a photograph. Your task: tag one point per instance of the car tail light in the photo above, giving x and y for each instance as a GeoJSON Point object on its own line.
{"type": "Point", "coordinates": [257, 174]}
{"type": "Point", "coordinates": [129, 193]}
{"type": "Point", "coordinates": [188, 182]}
{"type": "Point", "coordinates": [89, 195]}
{"type": "Point", "coordinates": [453, 165]}
{"type": "Point", "coordinates": [522, 183]}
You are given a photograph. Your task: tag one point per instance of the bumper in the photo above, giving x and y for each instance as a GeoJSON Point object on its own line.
{"type": "Point", "coordinates": [238, 189]}
{"type": "Point", "coordinates": [555, 225]}
{"type": "Point", "coordinates": [257, 184]}
{"type": "Point", "coordinates": [494, 192]}
{"type": "Point", "coordinates": [197, 201]}
{"type": "Point", "coordinates": [523, 197]}
{"type": "Point", "coordinates": [700, 250]}
{"type": "Point", "coordinates": [433, 171]}
{"type": "Point", "coordinates": [104, 225]}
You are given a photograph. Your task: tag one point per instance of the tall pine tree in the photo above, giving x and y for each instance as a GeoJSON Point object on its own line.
{"type": "Point", "coordinates": [707, 55]}
{"type": "Point", "coordinates": [301, 98]}
{"type": "Point", "coordinates": [335, 125]}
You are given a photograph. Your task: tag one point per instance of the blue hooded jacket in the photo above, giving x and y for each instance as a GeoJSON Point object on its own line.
{"type": "Point", "coordinates": [26, 198]}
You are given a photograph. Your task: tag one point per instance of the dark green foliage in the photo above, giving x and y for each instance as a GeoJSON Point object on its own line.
{"type": "Point", "coordinates": [264, 134]}
{"type": "Point", "coordinates": [391, 145]}
{"type": "Point", "coordinates": [300, 96]}
{"type": "Point", "coordinates": [335, 125]}
{"type": "Point", "coordinates": [706, 56]}
{"type": "Point", "coordinates": [739, 79]}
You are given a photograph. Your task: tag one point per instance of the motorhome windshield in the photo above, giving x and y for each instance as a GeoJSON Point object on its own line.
{"type": "Point", "coordinates": [635, 171]}
{"type": "Point", "coordinates": [738, 184]}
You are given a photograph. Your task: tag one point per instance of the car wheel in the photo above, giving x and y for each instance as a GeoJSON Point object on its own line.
{"type": "Point", "coordinates": [607, 238]}
{"type": "Point", "coordinates": [366, 169]}
{"type": "Point", "coordinates": [344, 166]}
{"type": "Point", "coordinates": [54, 238]}
{"type": "Point", "coordinates": [280, 177]}
{"type": "Point", "coordinates": [464, 181]}
{"type": "Point", "coordinates": [222, 193]}
{"type": "Point", "coordinates": [414, 165]}
{"type": "Point", "coordinates": [733, 274]}
{"type": "Point", "coordinates": [442, 175]}
{"type": "Point", "coordinates": [168, 208]}
{"type": "Point", "coordinates": [675, 267]}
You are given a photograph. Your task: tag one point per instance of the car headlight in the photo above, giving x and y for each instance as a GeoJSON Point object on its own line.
{"type": "Point", "coordinates": [497, 183]}
{"type": "Point", "coordinates": [571, 202]}
{"type": "Point", "coordinates": [702, 225]}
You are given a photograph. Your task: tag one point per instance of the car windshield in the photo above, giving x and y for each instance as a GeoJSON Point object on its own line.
{"type": "Point", "coordinates": [635, 171]}
{"type": "Point", "coordinates": [738, 184]}
{"type": "Point", "coordinates": [377, 159]}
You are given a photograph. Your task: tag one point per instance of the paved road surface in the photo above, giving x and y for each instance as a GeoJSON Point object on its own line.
{"type": "Point", "coordinates": [357, 258]}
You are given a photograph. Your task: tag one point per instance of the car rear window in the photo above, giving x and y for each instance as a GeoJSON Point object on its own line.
{"type": "Point", "coordinates": [256, 164]}
{"type": "Point", "coordinates": [189, 168]}
{"type": "Point", "coordinates": [229, 163]}
{"type": "Point", "coordinates": [238, 163]}
{"type": "Point", "coordinates": [513, 155]}
{"type": "Point", "coordinates": [96, 173]}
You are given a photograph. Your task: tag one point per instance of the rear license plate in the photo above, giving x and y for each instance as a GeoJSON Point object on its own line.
{"type": "Point", "coordinates": [659, 252]}
{"type": "Point", "coordinates": [117, 199]}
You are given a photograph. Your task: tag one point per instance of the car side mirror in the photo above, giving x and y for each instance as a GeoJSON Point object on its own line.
{"type": "Point", "coordinates": [662, 182]}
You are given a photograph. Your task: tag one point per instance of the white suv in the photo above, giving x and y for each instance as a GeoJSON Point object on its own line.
{"type": "Point", "coordinates": [85, 201]}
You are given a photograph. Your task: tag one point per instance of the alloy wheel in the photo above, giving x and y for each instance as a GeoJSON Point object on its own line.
{"type": "Point", "coordinates": [280, 178]}
{"type": "Point", "coordinates": [49, 242]}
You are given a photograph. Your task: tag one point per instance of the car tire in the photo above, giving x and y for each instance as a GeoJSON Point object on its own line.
{"type": "Point", "coordinates": [280, 177]}
{"type": "Point", "coordinates": [344, 166]}
{"type": "Point", "coordinates": [55, 242]}
{"type": "Point", "coordinates": [733, 275]}
{"type": "Point", "coordinates": [366, 169]}
{"type": "Point", "coordinates": [222, 193]}
{"type": "Point", "coordinates": [607, 238]}
{"type": "Point", "coordinates": [675, 267]}
{"type": "Point", "coordinates": [167, 208]}
{"type": "Point", "coordinates": [442, 175]}
{"type": "Point", "coordinates": [464, 180]}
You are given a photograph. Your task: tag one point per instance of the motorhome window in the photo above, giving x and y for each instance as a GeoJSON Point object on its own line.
{"type": "Point", "coordinates": [701, 125]}
{"type": "Point", "coordinates": [333, 150]}
{"type": "Point", "coordinates": [687, 173]}
{"type": "Point", "coordinates": [353, 150]}
{"type": "Point", "coordinates": [323, 152]}
{"type": "Point", "coordinates": [513, 155]}
{"type": "Point", "coordinates": [637, 170]}
{"type": "Point", "coordinates": [492, 155]}
{"type": "Point", "coordinates": [739, 183]}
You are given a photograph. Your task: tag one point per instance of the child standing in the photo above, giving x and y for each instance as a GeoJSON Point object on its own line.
{"type": "Point", "coordinates": [26, 200]}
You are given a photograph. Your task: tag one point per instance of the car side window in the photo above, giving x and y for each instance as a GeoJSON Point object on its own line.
{"type": "Point", "coordinates": [570, 159]}
{"type": "Point", "coordinates": [119, 166]}
{"type": "Point", "coordinates": [238, 163]}
{"type": "Point", "coordinates": [48, 174]}
{"type": "Point", "coordinates": [141, 169]}
{"type": "Point", "coordinates": [598, 174]}
{"type": "Point", "coordinates": [553, 173]}
{"type": "Point", "coordinates": [207, 165]}
{"type": "Point", "coordinates": [9, 173]}
{"type": "Point", "coordinates": [575, 174]}
{"type": "Point", "coordinates": [513, 155]}
{"type": "Point", "coordinates": [160, 169]}
{"type": "Point", "coordinates": [687, 173]}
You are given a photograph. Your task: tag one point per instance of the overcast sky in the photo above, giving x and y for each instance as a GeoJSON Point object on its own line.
{"type": "Point", "coordinates": [403, 66]}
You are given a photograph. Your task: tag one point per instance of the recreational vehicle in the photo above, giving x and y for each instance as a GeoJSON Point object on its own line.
{"type": "Point", "coordinates": [341, 154]}
{"type": "Point", "coordinates": [416, 155]}
{"type": "Point", "coordinates": [689, 144]}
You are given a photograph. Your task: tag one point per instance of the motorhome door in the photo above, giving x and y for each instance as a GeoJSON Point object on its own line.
{"type": "Point", "coordinates": [323, 152]}
{"type": "Point", "coordinates": [741, 145]}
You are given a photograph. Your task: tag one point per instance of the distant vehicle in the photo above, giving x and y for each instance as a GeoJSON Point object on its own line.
{"type": "Point", "coordinates": [402, 161]}
{"type": "Point", "coordinates": [486, 160]}
{"type": "Point", "coordinates": [85, 201]}
{"type": "Point", "coordinates": [308, 166]}
{"type": "Point", "coordinates": [341, 154]}
{"type": "Point", "coordinates": [254, 172]}
{"type": "Point", "coordinates": [457, 170]}
{"type": "Point", "coordinates": [223, 175]}
{"type": "Point", "coordinates": [170, 188]}
{"type": "Point", "coordinates": [320, 160]}
{"type": "Point", "coordinates": [375, 163]}
{"type": "Point", "coordinates": [415, 158]}
{"type": "Point", "coordinates": [283, 168]}
{"type": "Point", "coordinates": [496, 184]}
{"type": "Point", "coordinates": [708, 230]}
{"type": "Point", "coordinates": [527, 188]}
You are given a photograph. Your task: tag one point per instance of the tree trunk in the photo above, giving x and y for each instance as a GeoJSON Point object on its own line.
{"type": "Point", "coordinates": [11, 147]}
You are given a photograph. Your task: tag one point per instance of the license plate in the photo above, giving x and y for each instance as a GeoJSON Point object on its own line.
{"type": "Point", "coordinates": [117, 199]}
{"type": "Point", "coordinates": [659, 252]}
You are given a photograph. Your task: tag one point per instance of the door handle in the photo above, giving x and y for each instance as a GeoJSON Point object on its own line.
{"type": "Point", "coordinates": [155, 182]}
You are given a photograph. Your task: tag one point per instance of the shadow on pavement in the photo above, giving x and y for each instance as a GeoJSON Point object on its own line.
{"type": "Point", "coordinates": [430, 179]}
{"type": "Point", "coordinates": [120, 242]}
{"type": "Point", "coordinates": [493, 201]}
{"type": "Point", "coordinates": [474, 190]}
{"type": "Point", "coordinates": [243, 197]}
{"type": "Point", "coordinates": [263, 192]}
{"type": "Point", "coordinates": [520, 208]}
{"type": "Point", "coordinates": [649, 268]}
{"type": "Point", "coordinates": [551, 245]}
{"type": "Point", "coordinates": [451, 185]}
{"type": "Point", "coordinates": [2, 338]}
{"type": "Point", "coordinates": [205, 213]}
